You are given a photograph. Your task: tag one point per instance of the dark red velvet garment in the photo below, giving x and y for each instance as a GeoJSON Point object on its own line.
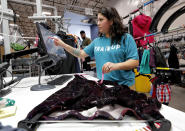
{"type": "Point", "coordinates": [82, 94]}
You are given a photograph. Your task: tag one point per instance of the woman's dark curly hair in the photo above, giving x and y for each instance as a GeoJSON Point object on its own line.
{"type": "Point", "coordinates": [117, 30]}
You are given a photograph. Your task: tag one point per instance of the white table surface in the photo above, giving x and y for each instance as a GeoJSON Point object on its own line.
{"type": "Point", "coordinates": [26, 100]}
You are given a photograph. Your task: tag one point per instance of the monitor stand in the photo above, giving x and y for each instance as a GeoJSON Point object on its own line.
{"type": "Point", "coordinates": [41, 87]}
{"type": "Point", "coordinates": [3, 91]}
{"type": "Point", "coordinates": [41, 60]}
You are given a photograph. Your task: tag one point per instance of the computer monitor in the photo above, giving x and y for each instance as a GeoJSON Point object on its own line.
{"type": "Point", "coordinates": [48, 45]}
{"type": "Point", "coordinates": [51, 53]}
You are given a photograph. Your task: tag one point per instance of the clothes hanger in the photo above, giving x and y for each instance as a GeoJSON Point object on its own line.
{"type": "Point", "coordinates": [141, 11]}
{"type": "Point", "coordinates": [148, 43]}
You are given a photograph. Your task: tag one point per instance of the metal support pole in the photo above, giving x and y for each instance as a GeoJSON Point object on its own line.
{"type": "Point", "coordinates": [56, 25]}
{"type": "Point", "coordinates": [39, 7]}
{"type": "Point", "coordinates": [5, 29]}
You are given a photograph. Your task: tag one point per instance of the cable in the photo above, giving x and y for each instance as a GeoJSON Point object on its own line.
{"type": "Point", "coordinates": [16, 83]}
{"type": "Point", "coordinates": [20, 78]}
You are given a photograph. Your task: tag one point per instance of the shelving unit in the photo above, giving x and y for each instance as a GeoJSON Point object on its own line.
{"type": "Point", "coordinates": [24, 67]}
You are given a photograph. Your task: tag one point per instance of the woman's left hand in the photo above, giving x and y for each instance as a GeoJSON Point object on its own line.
{"type": "Point", "coordinates": [107, 67]}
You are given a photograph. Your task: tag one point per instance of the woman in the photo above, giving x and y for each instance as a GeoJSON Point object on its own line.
{"type": "Point", "coordinates": [115, 51]}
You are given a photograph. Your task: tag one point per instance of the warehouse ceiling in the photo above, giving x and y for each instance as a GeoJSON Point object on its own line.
{"type": "Point", "coordinates": [25, 8]}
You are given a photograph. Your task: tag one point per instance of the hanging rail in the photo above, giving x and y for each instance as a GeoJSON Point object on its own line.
{"type": "Point", "coordinates": [156, 33]}
{"type": "Point", "coordinates": [166, 68]}
{"type": "Point", "coordinates": [133, 12]}
{"type": "Point", "coordinates": [169, 69]}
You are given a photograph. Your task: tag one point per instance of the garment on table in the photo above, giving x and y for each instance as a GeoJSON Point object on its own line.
{"type": "Point", "coordinates": [144, 66]}
{"type": "Point", "coordinates": [82, 94]}
{"type": "Point", "coordinates": [141, 25]}
{"type": "Point", "coordinates": [103, 51]}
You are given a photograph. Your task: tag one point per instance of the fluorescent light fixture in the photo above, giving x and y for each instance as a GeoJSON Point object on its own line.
{"type": "Point", "coordinates": [85, 20]}
{"type": "Point", "coordinates": [46, 13]}
{"type": "Point", "coordinates": [13, 25]}
{"type": "Point", "coordinates": [136, 2]}
{"type": "Point", "coordinates": [1, 37]}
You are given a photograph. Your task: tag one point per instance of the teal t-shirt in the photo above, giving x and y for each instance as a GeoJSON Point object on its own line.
{"type": "Point", "coordinates": [103, 51]}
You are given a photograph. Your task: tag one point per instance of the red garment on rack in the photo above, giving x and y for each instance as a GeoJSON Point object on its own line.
{"type": "Point", "coordinates": [141, 25]}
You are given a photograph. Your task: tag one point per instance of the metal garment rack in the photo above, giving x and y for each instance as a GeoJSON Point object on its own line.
{"type": "Point", "coordinates": [135, 11]}
{"type": "Point", "coordinates": [157, 33]}
{"type": "Point", "coordinates": [168, 69]}
{"type": "Point", "coordinates": [6, 16]}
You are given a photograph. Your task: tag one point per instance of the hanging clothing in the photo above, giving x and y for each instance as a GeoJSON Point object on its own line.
{"type": "Point", "coordinates": [144, 66]}
{"type": "Point", "coordinates": [161, 88]}
{"type": "Point", "coordinates": [130, 28]}
{"type": "Point", "coordinates": [173, 62]}
{"type": "Point", "coordinates": [163, 92]}
{"type": "Point", "coordinates": [68, 65]}
{"type": "Point", "coordinates": [141, 25]}
{"type": "Point", "coordinates": [154, 82]}
{"type": "Point", "coordinates": [143, 83]}
{"type": "Point", "coordinates": [152, 57]}
{"type": "Point", "coordinates": [140, 53]}
{"type": "Point", "coordinates": [160, 60]}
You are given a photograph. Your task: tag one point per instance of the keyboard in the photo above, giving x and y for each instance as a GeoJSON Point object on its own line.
{"type": "Point", "coordinates": [60, 80]}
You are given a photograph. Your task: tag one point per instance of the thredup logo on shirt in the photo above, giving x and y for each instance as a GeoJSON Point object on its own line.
{"type": "Point", "coordinates": [107, 48]}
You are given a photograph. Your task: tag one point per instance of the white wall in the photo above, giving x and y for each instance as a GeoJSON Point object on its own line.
{"type": "Point", "coordinates": [178, 22]}
{"type": "Point", "coordinates": [124, 7]}
{"type": "Point", "coordinates": [75, 29]}
{"type": "Point", "coordinates": [76, 25]}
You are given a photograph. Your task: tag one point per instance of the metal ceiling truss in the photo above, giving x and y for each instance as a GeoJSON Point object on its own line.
{"type": "Point", "coordinates": [76, 6]}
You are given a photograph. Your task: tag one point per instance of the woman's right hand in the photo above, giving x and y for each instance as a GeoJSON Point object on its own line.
{"type": "Point", "coordinates": [57, 41]}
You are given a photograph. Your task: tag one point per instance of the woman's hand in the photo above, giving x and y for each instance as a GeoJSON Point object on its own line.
{"type": "Point", "coordinates": [107, 67]}
{"type": "Point", "coordinates": [57, 41]}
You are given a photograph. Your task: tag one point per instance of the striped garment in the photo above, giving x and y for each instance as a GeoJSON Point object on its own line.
{"type": "Point", "coordinates": [163, 93]}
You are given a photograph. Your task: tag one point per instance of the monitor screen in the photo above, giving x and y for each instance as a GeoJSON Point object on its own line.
{"type": "Point", "coordinates": [48, 44]}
